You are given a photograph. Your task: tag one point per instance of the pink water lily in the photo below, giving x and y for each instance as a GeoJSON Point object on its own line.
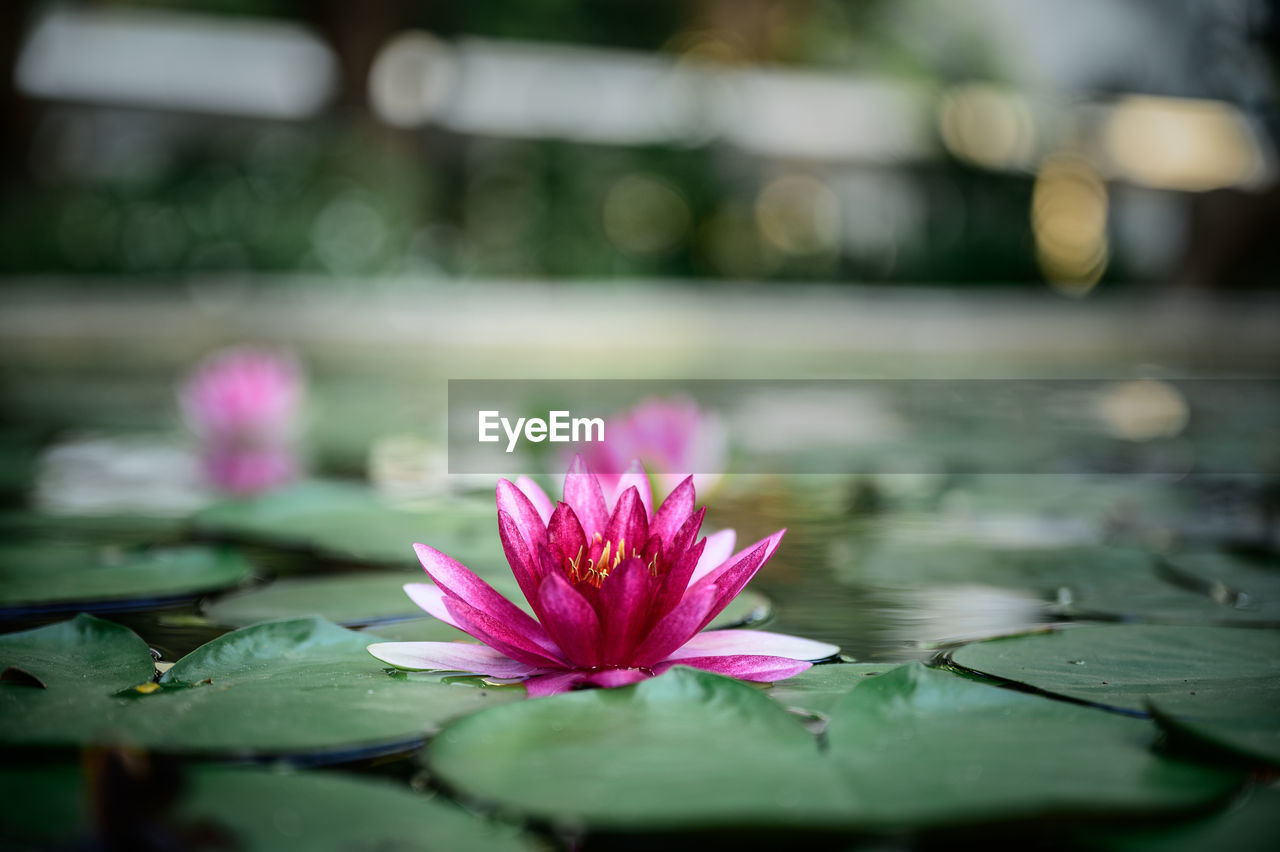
{"type": "Point", "coordinates": [672, 436]}
{"type": "Point", "coordinates": [620, 592]}
{"type": "Point", "coordinates": [243, 404]}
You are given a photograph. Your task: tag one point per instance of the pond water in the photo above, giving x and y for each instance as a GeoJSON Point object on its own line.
{"type": "Point", "coordinates": [891, 567]}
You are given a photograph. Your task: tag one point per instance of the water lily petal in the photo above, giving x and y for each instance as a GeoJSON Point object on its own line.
{"type": "Point", "coordinates": [674, 511]}
{"type": "Point", "coordinates": [683, 539]}
{"type": "Point", "coordinates": [565, 535]}
{"type": "Point", "coordinates": [629, 523]}
{"type": "Point", "coordinates": [541, 502]}
{"type": "Point", "coordinates": [715, 643]}
{"type": "Point", "coordinates": [675, 582]}
{"type": "Point", "coordinates": [676, 627]}
{"type": "Point", "coordinates": [570, 619]}
{"type": "Point", "coordinates": [513, 501]}
{"type": "Point", "coordinates": [450, 657]}
{"type": "Point", "coordinates": [623, 607]}
{"type": "Point", "coordinates": [719, 549]}
{"type": "Point", "coordinates": [540, 686]}
{"type": "Point", "coordinates": [458, 581]}
{"type": "Point", "coordinates": [582, 492]}
{"type": "Point", "coordinates": [501, 637]}
{"type": "Point", "coordinates": [761, 669]}
{"type": "Point", "coordinates": [527, 572]}
{"type": "Point", "coordinates": [635, 477]}
{"type": "Point", "coordinates": [731, 577]}
{"type": "Point", "coordinates": [431, 599]}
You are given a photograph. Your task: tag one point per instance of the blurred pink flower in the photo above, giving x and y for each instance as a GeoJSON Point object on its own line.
{"type": "Point", "coordinates": [672, 437]}
{"type": "Point", "coordinates": [248, 470]}
{"type": "Point", "coordinates": [243, 404]}
{"type": "Point", "coordinates": [621, 593]}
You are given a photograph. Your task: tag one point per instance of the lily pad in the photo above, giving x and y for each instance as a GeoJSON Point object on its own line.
{"type": "Point", "coordinates": [910, 748]}
{"type": "Point", "coordinates": [351, 522]}
{"type": "Point", "coordinates": [1248, 589]}
{"type": "Point", "coordinates": [822, 688]}
{"type": "Point", "coordinates": [349, 599]}
{"type": "Point", "coordinates": [254, 809]}
{"type": "Point", "coordinates": [685, 749]}
{"type": "Point", "coordinates": [1126, 665]}
{"type": "Point", "coordinates": [52, 577]}
{"type": "Point", "coordinates": [1217, 683]}
{"type": "Point", "coordinates": [298, 688]}
{"type": "Point", "coordinates": [1082, 581]}
{"type": "Point", "coordinates": [1246, 724]}
{"type": "Point", "coordinates": [921, 746]}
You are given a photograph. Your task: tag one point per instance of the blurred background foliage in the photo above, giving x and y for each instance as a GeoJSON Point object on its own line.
{"type": "Point", "coordinates": [1130, 143]}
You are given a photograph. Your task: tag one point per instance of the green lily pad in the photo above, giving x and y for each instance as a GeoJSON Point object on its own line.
{"type": "Point", "coordinates": [292, 688]}
{"type": "Point", "coordinates": [821, 688]}
{"type": "Point", "coordinates": [351, 522]}
{"type": "Point", "coordinates": [1217, 683]}
{"type": "Point", "coordinates": [1248, 589]}
{"type": "Point", "coordinates": [348, 599]}
{"type": "Point", "coordinates": [921, 746]}
{"type": "Point", "coordinates": [254, 809]}
{"type": "Point", "coordinates": [1247, 723]}
{"type": "Point", "coordinates": [1126, 665]}
{"type": "Point", "coordinates": [912, 747]}
{"type": "Point", "coordinates": [1082, 581]}
{"type": "Point", "coordinates": [685, 749]}
{"type": "Point", "coordinates": [1250, 826]}
{"type": "Point", "coordinates": [52, 576]}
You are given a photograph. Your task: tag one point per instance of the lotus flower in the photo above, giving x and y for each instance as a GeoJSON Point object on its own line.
{"type": "Point", "coordinates": [621, 593]}
{"type": "Point", "coordinates": [672, 437]}
{"type": "Point", "coordinates": [243, 404]}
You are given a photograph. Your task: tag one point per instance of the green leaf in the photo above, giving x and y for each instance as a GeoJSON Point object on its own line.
{"type": "Point", "coordinates": [303, 686]}
{"type": "Point", "coordinates": [107, 657]}
{"type": "Point", "coordinates": [912, 747]}
{"type": "Point", "coordinates": [1219, 684]}
{"type": "Point", "coordinates": [348, 599]}
{"type": "Point", "coordinates": [821, 688]}
{"type": "Point", "coordinates": [257, 810]}
{"type": "Point", "coordinates": [1124, 665]}
{"type": "Point", "coordinates": [81, 576]}
{"type": "Point", "coordinates": [351, 522]}
{"type": "Point", "coordinates": [685, 749]}
{"type": "Point", "coordinates": [921, 746]}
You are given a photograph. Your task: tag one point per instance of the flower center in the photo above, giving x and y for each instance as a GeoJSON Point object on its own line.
{"type": "Point", "coordinates": [601, 557]}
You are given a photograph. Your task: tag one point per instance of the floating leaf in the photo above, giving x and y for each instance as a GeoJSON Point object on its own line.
{"type": "Point", "coordinates": [821, 688]}
{"type": "Point", "coordinates": [256, 810]}
{"type": "Point", "coordinates": [303, 686]}
{"type": "Point", "coordinates": [685, 749]}
{"type": "Point", "coordinates": [349, 599]}
{"type": "Point", "coordinates": [50, 576]}
{"type": "Point", "coordinates": [1124, 665]}
{"type": "Point", "coordinates": [921, 746]}
{"type": "Point", "coordinates": [912, 747]}
{"type": "Point", "coordinates": [351, 522]}
{"type": "Point", "coordinates": [1217, 683]}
